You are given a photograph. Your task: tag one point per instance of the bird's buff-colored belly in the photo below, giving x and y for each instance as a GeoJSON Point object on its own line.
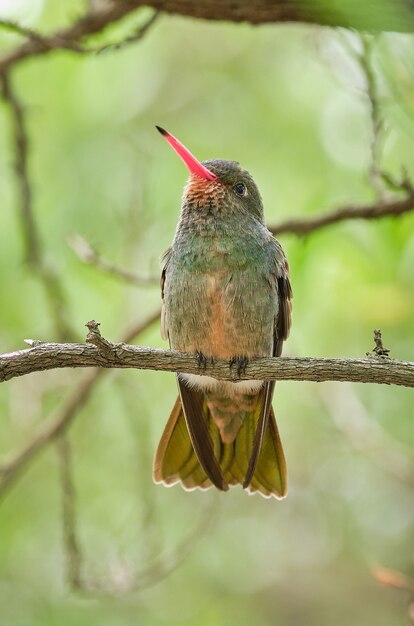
{"type": "Point", "coordinates": [223, 335]}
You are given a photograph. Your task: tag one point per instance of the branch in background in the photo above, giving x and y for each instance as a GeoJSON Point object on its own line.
{"type": "Point", "coordinates": [18, 29]}
{"type": "Point", "coordinates": [368, 16]}
{"type": "Point", "coordinates": [34, 255]}
{"type": "Point", "coordinates": [371, 15]}
{"type": "Point", "coordinates": [162, 566]}
{"type": "Point", "coordinates": [43, 42]}
{"type": "Point", "coordinates": [90, 256]}
{"type": "Point", "coordinates": [70, 536]}
{"type": "Point", "coordinates": [367, 435]}
{"type": "Point", "coordinates": [377, 122]}
{"type": "Point", "coordinates": [9, 470]}
{"type": "Point", "coordinates": [137, 35]}
{"type": "Point", "coordinates": [44, 356]}
{"type": "Point", "coordinates": [306, 225]}
{"type": "Point", "coordinates": [364, 60]}
{"type": "Point", "coordinates": [127, 389]}
{"type": "Point", "coordinates": [380, 181]}
{"type": "Point", "coordinates": [71, 38]}
{"type": "Point", "coordinates": [28, 224]}
{"type": "Point", "coordinates": [97, 21]}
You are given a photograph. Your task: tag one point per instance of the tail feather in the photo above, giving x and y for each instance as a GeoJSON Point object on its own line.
{"type": "Point", "coordinates": [271, 474]}
{"type": "Point", "coordinates": [176, 462]}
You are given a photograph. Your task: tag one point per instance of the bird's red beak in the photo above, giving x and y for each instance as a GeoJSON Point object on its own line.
{"type": "Point", "coordinates": [191, 162]}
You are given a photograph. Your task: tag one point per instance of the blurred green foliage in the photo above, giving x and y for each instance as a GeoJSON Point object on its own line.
{"type": "Point", "coordinates": [288, 103]}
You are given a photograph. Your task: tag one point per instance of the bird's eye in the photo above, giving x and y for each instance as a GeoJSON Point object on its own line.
{"type": "Point", "coordinates": [240, 189]}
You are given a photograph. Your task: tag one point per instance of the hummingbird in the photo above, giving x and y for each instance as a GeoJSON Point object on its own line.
{"type": "Point", "coordinates": [226, 294]}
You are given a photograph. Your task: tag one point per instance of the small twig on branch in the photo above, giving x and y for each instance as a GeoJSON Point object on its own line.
{"type": "Point", "coordinates": [379, 347]}
{"type": "Point", "coordinates": [60, 41]}
{"type": "Point", "coordinates": [137, 35]}
{"type": "Point", "coordinates": [121, 355]}
{"type": "Point", "coordinates": [94, 336]}
{"type": "Point", "coordinates": [23, 31]}
{"type": "Point", "coordinates": [306, 225]}
{"type": "Point", "coordinates": [89, 255]}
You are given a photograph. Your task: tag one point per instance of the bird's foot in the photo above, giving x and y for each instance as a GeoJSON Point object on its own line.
{"type": "Point", "coordinates": [201, 360]}
{"type": "Point", "coordinates": [241, 362]}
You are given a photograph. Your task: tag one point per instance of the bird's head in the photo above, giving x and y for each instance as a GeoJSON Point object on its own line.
{"type": "Point", "coordinates": [219, 185]}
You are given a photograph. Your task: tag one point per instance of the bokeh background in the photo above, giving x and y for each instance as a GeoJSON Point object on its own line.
{"type": "Point", "coordinates": [290, 104]}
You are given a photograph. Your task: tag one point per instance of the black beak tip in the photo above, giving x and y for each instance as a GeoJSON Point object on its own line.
{"type": "Point", "coordinates": [161, 130]}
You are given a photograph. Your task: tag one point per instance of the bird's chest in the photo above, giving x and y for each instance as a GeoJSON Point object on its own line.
{"type": "Point", "coordinates": [200, 314]}
{"type": "Point", "coordinates": [220, 313]}
{"type": "Point", "coordinates": [222, 316]}
{"type": "Point", "coordinates": [218, 296]}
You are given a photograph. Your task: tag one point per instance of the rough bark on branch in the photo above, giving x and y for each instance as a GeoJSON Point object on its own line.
{"type": "Point", "coordinates": [44, 356]}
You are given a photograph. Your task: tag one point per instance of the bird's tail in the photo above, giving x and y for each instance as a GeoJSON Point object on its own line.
{"type": "Point", "coordinates": [176, 462]}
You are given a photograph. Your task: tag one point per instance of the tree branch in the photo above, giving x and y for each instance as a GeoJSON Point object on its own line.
{"type": "Point", "coordinates": [71, 38]}
{"type": "Point", "coordinates": [137, 35]}
{"type": "Point", "coordinates": [371, 15]}
{"type": "Point", "coordinates": [365, 60]}
{"type": "Point", "coordinates": [30, 232]}
{"type": "Point", "coordinates": [34, 254]}
{"type": "Point", "coordinates": [70, 536]}
{"type": "Point", "coordinates": [87, 254]}
{"type": "Point", "coordinates": [395, 15]}
{"type": "Point", "coordinates": [105, 354]}
{"type": "Point", "coordinates": [306, 225]}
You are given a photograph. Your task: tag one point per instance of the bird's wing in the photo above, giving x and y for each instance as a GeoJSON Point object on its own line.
{"type": "Point", "coordinates": [165, 260]}
{"type": "Point", "coordinates": [281, 330]}
{"type": "Point", "coordinates": [283, 320]}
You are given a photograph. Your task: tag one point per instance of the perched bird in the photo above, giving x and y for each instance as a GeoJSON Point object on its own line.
{"type": "Point", "coordinates": [226, 295]}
